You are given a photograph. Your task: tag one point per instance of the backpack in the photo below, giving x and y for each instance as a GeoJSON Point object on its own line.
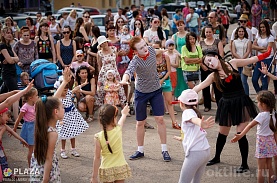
{"type": "Point", "coordinates": [44, 73]}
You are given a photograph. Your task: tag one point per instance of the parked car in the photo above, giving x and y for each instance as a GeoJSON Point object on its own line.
{"type": "Point", "coordinates": [33, 13]}
{"type": "Point", "coordinates": [201, 3]}
{"type": "Point", "coordinates": [170, 7]}
{"type": "Point", "coordinates": [20, 20]}
{"type": "Point", "coordinates": [79, 11]}
{"type": "Point", "coordinates": [229, 6]}
{"type": "Point", "coordinates": [216, 4]}
{"type": "Point", "coordinates": [91, 10]}
{"type": "Point", "coordinates": [99, 20]}
{"type": "Point", "coordinates": [14, 15]}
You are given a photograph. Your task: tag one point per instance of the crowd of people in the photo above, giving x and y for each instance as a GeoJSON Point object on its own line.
{"type": "Point", "coordinates": [138, 53]}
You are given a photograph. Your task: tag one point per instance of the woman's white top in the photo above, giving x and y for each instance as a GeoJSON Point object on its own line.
{"type": "Point", "coordinates": [263, 42]}
{"type": "Point", "coordinates": [241, 46]}
{"type": "Point", "coordinates": [194, 136]}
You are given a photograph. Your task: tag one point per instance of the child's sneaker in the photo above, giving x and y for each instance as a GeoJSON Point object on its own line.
{"type": "Point", "coordinates": [63, 154]}
{"type": "Point", "coordinates": [74, 153]}
{"type": "Point", "coordinates": [125, 60]}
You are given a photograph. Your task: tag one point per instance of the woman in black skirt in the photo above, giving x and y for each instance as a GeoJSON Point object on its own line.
{"type": "Point", "coordinates": [235, 108]}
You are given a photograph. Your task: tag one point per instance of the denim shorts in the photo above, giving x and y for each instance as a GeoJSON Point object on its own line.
{"type": "Point", "coordinates": [195, 30]}
{"type": "Point", "coordinates": [156, 101]}
{"type": "Point", "coordinates": [28, 132]}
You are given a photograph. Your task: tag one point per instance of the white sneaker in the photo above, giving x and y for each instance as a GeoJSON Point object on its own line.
{"type": "Point", "coordinates": [74, 153]}
{"type": "Point", "coordinates": [63, 155]}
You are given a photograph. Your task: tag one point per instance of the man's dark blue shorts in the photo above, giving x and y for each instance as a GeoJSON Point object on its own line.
{"type": "Point", "coordinates": [156, 101]}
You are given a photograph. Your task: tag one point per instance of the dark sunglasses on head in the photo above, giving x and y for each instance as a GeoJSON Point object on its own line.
{"type": "Point", "coordinates": [66, 32]}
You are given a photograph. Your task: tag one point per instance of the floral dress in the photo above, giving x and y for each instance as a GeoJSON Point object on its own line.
{"type": "Point", "coordinates": [111, 97]}
{"type": "Point", "coordinates": [108, 63]}
{"type": "Point", "coordinates": [256, 19]}
{"type": "Point", "coordinates": [38, 170]}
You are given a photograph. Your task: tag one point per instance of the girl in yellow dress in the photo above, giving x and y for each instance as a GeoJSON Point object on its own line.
{"type": "Point", "coordinates": [111, 88]}
{"type": "Point", "coordinates": [108, 144]}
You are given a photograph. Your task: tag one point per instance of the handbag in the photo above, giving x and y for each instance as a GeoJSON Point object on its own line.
{"type": "Point", "coordinates": [193, 77]}
{"type": "Point", "coordinates": [247, 70]}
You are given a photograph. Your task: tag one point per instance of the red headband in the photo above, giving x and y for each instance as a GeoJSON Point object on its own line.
{"type": "Point", "coordinates": [4, 110]}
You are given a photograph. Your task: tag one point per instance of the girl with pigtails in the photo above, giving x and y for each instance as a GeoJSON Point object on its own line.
{"type": "Point", "coordinates": [266, 131]}
{"type": "Point", "coordinates": [108, 144]}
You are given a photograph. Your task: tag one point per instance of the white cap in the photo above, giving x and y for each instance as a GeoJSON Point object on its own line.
{"type": "Point", "coordinates": [189, 97]}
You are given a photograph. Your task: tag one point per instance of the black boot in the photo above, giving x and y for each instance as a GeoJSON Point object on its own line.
{"type": "Point", "coordinates": [243, 147]}
{"type": "Point", "coordinates": [220, 142]}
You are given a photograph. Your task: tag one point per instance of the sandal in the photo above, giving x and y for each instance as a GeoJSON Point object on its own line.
{"type": "Point", "coordinates": [207, 109]}
{"type": "Point", "coordinates": [175, 125]}
{"type": "Point", "coordinates": [167, 113]}
{"type": "Point", "coordinates": [148, 126]}
{"type": "Point", "coordinates": [201, 101]}
{"type": "Point", "coordinates": [90, 119]}
{"type": "Point", "coordinates": [213, 99]}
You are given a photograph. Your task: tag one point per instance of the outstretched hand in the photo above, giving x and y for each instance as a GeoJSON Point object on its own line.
{"type": "Point", "coordinates": [25, 144]}
{"type": "Point", "coordinates": [264, 68]}
{"type": "Point", "coordinates": [208, 123]}
{"type": "Point", "coordinates": [29, 87]}
{"type": "Point", "coordinates": [236, 138]}
{"type": "Point", "coordinates": [67, 74]}
{"type": "Point", "coordinates": [125, 110]}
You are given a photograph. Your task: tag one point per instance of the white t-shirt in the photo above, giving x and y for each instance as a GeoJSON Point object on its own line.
{"type": "Point", "coordinates": [263, 118]}
{"type": "Point", "coordinates": [194, 20]}
{"type": "Point", "coordinates": [237, 8]}
{"type": "Point", "coordinates": [249, 32]}
{"type": "Point", "coordinates": [263, 42]}
{"type": "Point", "coordinates": [274, 27]}
{"type": "Point", "coordinates": [152, 36]}
{"type": "Point", "coordinates": [172, 58]}
{"type": "Point", "coordinates": [254, 31]}
{"type": "Point", "coordinates": [194, 136]}
{"type": "Point", "coordinates": [241, 46]}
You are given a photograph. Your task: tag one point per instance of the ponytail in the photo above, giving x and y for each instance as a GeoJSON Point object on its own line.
{"type": "Point", "coordinates": [271, 123]}
{"type": "Point", "coordinates": [44, 113]}
{"type": "Point", "coordinates": [160, 33]}
{"type": "Point", "coordinates": [194, 107]}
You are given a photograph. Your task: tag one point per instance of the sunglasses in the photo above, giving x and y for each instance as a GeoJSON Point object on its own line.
{"type": "Point", "coordinates": [86, 16]}
{"type": "Point", "coordinates": [66, 32]}
{"type": "Point", "coordinates": [137, 24]}
{"type": "Point", "coordinates": [52, 19]}
{"type": "Point", "coordinates": [242, 21]}
{"type": "Point", "coordinates": [79, 55]}
{"type": "Point", "coordinates": [156, 22]}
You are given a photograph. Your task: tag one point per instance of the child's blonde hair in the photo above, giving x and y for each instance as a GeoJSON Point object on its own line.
{"type": "Point", "coordinates": [23, 74]}
{"type": "Point", "coordinates": [29, 94]}
{"type": "Point", "coordinates": [112, 72]}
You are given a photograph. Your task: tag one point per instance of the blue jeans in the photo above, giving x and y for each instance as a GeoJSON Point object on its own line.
{"type": "Point", "coordinates": [195, 30]}
{"type": "Point", "coordinates": [258, 75]}
{"type": "Point", "coordinates": [244, 81]}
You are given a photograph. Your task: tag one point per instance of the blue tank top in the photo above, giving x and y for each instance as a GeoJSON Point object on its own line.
{"type": "Point", "coordinates": [66, 52]}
